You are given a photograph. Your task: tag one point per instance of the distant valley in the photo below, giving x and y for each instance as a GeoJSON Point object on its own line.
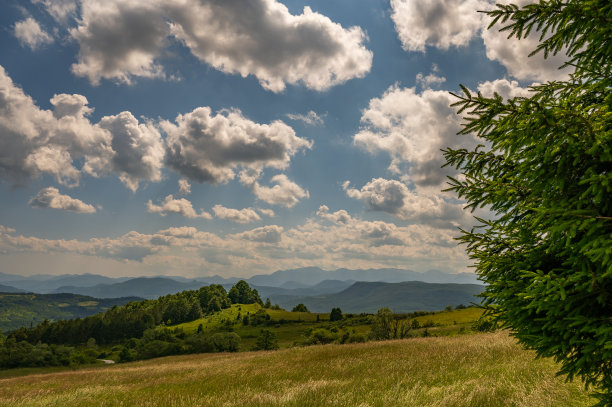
{"type": "Point", "coordinates": [18, 309]}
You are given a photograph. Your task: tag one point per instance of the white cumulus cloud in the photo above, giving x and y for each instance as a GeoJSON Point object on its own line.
{"type": "Point", "coordinates": [436, 23]}
{"type": "Point", "coordinates": [121, 39]}
{"type": "Point", "coordinates": [179, 206]}
{"type": "Point", "coordinates": [264, 234]}
{"type": "Point", "coordinates": [245, 215]}
{"type": "Point", "coordinates": [284, 192]}
{"type": "Point", "coordinates": [395, 198]}
{"type": "Point", "coordinates": [208, 148]}
{"type": "Point", "coordinates": [51, 198]}
{"type": "Point", "coordinates": [412, 128]}
{"type": "Point", "coordinates": [37, 141]}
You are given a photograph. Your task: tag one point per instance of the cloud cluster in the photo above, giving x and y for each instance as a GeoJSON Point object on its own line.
{"type": "Point", "coordinates": [208, 148]}
{"type": "Point", "coordinates": [265, 234]}
{"type": "Point", "coordinates": [514, 55]}
{"type": "Point", "coordinates": [51, 198]}
{"type": "Point", "coordinates": [245, 215]}
{"type": "Point", "coordinates": [179, 206]}
{"type": "Point", "coordinates": [445, 23]}
{"type": "Point", "coordinates": [29, 33]}
{"type": "Point", "coordinates": [121, 39]}
{"type": "Point", "coordinates": [395, 198]}
{"type": "Point", "coordinates": [436, 23]}
{"type": "Point", "coordinates": [57, 142]}
{"type": "Point", "coordinates": [328, 240]}
{"type": "Point", "coordinates": [200, 146]}
{"type": "Point", "coordinates": [412, 128]}
{"type": "Point", "coordinates": [284, 192]}
{"type": "Point", "coordinates": [503, 87]}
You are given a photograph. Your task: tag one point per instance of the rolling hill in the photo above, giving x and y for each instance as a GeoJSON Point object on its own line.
{"type": "Point", "coordinates": [17, 310]}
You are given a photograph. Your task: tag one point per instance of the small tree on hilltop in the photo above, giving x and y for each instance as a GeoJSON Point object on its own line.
{"type": "Point", "coordinates": [335, 314]}
{"type": "Point", "coordinates": [300, 308]}
{"type": "Point", "coordinates": [544, 170]}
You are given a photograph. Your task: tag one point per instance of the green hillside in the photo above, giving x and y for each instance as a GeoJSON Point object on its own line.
{"type": "Point", "coordinates": [17, 310]}
{"type": "Point", "coordinates": [484, 370]}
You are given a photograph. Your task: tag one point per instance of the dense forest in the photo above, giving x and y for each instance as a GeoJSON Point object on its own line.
{"type": "Point", "coordinates": [131, 326]}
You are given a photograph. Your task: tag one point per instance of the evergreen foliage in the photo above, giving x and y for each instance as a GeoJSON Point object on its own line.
{"type": "Point", "coordinates": [544, 170]}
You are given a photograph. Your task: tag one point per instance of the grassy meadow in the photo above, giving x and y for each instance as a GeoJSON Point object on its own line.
{"type": "Point", "coordinates": [294, 325]}
{"type": "Point", "coordinates": [462, 370]}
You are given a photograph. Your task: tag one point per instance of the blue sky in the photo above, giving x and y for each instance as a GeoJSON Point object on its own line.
{"type": "Point", "coordinates": [200, 137]}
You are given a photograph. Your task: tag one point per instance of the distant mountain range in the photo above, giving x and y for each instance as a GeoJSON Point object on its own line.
{"type": "Point", "coordinates": [302, 281]}
{"type": "Point", "coordinates": [9, 289]}
{"type": "Point", "coordinates": [145, 287]}
{"type": "Point", "coordinates": [399, 297]}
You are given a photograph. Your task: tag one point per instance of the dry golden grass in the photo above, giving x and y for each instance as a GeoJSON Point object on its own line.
{"type": "Point", "coordinates": [468, 370]}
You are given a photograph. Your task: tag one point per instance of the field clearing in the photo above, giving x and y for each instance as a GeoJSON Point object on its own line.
{"type": "Point", "coordinates": [466, 370]}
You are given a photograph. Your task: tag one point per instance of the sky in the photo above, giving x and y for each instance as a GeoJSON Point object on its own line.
{"type": "Point", "coordinates": [240, 137]}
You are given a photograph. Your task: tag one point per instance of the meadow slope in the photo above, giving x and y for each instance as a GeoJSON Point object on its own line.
{"type": "Point", "coordinates": [467, 370]}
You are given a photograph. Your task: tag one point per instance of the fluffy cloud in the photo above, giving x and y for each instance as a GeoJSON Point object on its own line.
{"type": "Point", "coordinates": [37, 141]}
{"type": "Point", "coordinates": [138, 149]}
{"type": "Point", "coordinates": [395, 198]}
{"type": "Point", "coordinates": [504, 88]}
{"type": "Point", "coordinates": [208, 148]}
{"type": "Point", "coordinates": [285, 192]}
{"type": "Point", "coordinates": [265, 234]}
{"type": "Point", "coordinates": [412, 128]}
{"type": "Point", "coordinates": [119, 40]}
{"type": "Point", "coordinates": [51, 198]}
{"type": "Point", "coordinates": [426, 81]}
{"type": "Point", "coordinates": [311, 118]}
{"type": "Point", "coordinates": [29, 33]}
{"type": "Point", "coordinates": [245, 215]}
{"type": "Point", "coordinates": [436, 23]}
{"type": "Point", "coordinates": [179, 206]}
{"type": "Point", "coordinates": [445, 23]}
{"type": "Point", "coordinates": [514, 55]}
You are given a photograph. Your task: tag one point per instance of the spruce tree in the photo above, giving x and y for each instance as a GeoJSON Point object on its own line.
{"type": "Point", "coordinates": [544, 169]}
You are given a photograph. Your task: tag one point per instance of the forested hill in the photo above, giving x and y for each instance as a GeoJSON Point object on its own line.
{"type": "Point", "coordinates": [18, 309]}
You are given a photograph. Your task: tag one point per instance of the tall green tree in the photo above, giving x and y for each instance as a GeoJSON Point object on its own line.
{"type": "Point", "coordinates": [544, 170]}
{"type": "Point", "coordinates": [383, 324]}
{"type": "Point", "coordinates": [241, 293]}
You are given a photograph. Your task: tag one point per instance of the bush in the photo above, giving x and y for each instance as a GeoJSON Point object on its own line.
{"type": "Point", "coordinates": [267, 340]}
{"type": "Point", "coordinates": [300, 308]}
